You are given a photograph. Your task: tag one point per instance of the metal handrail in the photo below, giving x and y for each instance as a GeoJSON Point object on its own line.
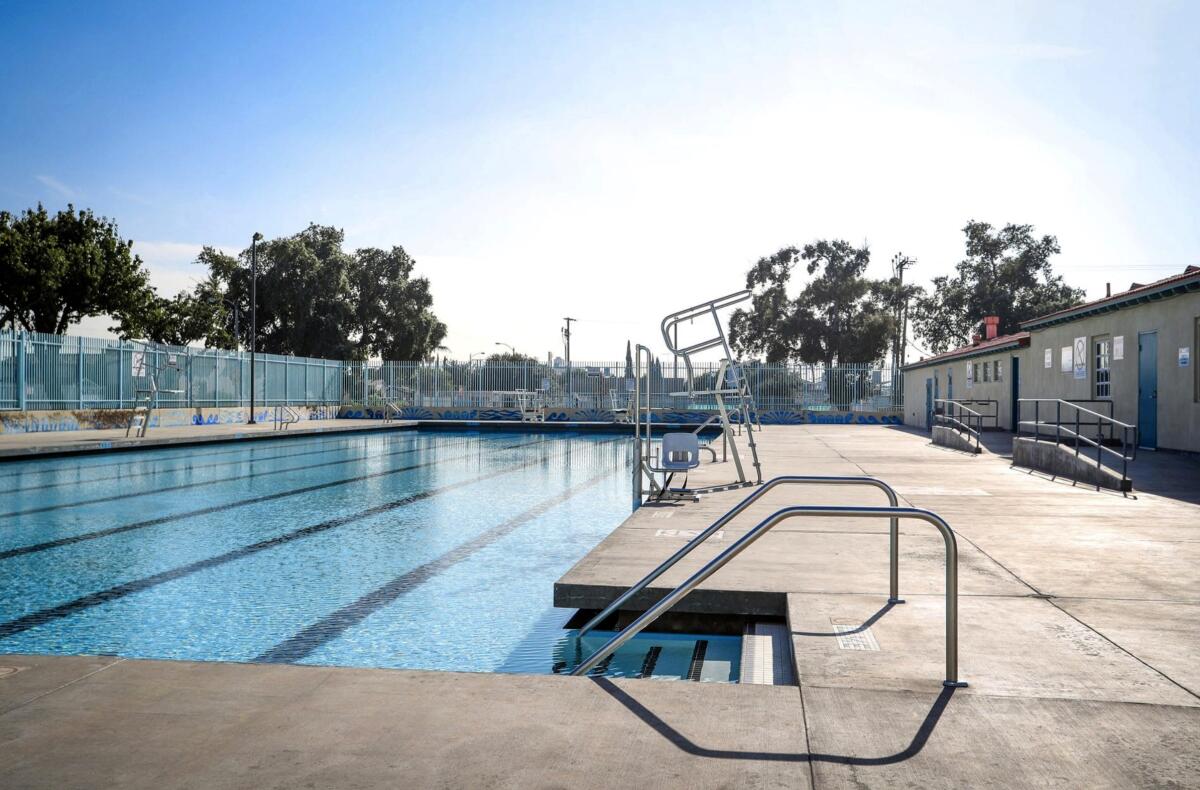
{"type": "Point", "coordinates": [732, 513]}
{"type": "Point", "coordinates": [285, 416]}
{"type": "Point", "coordinates": [710, 307]}
{"type": "Point", "coordinates": [1129, 433]}
{"type": "Point", "coordinates": [995, 404]}
{"type": "Point", "coordinates": [652, 614]}
{"type": "Point", "coordinates": [949, 419]}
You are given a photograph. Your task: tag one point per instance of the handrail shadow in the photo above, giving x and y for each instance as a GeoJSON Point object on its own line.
{"type": "Point", "coordinates": [870, 621]}
{"type": "Point", "coordinates": [683, 743]}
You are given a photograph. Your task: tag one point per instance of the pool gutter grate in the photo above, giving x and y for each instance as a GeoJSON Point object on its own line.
{"type": "Point", "coordinates": [697, 665]}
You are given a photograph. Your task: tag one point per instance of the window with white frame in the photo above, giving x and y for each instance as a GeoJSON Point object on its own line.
{"type": "Point", "coordinates": [999, 371]}
{"type": "Point", "coordinates": [1102, 349]}
{"type": "Point", "coordinates": [987, 371]}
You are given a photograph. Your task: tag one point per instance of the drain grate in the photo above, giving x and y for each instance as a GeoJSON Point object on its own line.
{"type": "Point", "coordinates": [854, 637]}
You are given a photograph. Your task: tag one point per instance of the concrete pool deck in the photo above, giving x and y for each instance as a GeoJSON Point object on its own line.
{"type": "Point", "coordinates": [1079, 627]}
{"type": "Point", "coordinates": [36, 444]}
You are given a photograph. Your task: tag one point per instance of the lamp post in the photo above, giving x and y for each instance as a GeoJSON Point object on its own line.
{"type": "Point", "coordinates": [478, 372]}
{"type": "Point", "coordinates": [511, 350]}
{"type": "Point", "coordinates": [253, 314]}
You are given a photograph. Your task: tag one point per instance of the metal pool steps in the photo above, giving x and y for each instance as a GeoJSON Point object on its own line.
{"type": "Point", "coordinates": [892, 513]}
{"type": "Point", "coordinates": [699, 658]}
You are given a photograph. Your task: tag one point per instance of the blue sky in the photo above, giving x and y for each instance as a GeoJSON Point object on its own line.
{"type": "Point", "coordinates": [610, 161]}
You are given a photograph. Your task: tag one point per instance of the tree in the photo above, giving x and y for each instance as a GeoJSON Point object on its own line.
{"type": "Point", "coordinates": [839, 316]}
{"type": "Point", "coordinates": [57, 270]}
{"type": "Point", "coordinates": [393, 308]}
{"type": "Point", "coordinates": [313, 299]}
{"type": "Point", "coordinates": [1005, 273]}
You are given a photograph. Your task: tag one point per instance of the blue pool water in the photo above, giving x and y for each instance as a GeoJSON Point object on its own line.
{"type": "Point", "coordinates": [428, 550]}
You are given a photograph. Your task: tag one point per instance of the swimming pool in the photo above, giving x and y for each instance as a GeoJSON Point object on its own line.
{"type": "Point", "coordinates": [408, 549]}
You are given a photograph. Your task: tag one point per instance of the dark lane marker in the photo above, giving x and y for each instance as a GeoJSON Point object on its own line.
{"type": "Point", "coordinates": [177, 469]}
{"type": "Point", "coordinates": [338, 622]}
{"type": "Point", "coordinates": [34, 619]}
{"type": "Point", "coordinates": [200, 484]}
{"type": "Point", "coordinates": [131, 455]}
{"type": "Point", "coordinates": [104, 533]}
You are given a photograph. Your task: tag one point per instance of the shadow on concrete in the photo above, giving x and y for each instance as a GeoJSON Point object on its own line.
{"type": "Point", "coordinates": [682, 742]}
{"type": "Point", "coordinates": [1166, 474]}
{"type": "Point", "coordinates": [870, 621]}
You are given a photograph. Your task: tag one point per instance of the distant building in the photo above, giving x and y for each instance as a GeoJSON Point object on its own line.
{"type": "Point", "coordinates": [1132, 353]}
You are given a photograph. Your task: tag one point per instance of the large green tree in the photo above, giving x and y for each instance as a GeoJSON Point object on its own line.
{"type": "Point", "coordinates": [839, 316]}
{"type": "Point", "coordinates": [1006, 273]}
{"type": "Point", "coordinates": [313, 298]}
{"type": "Point", "coordinates": [58, 269]}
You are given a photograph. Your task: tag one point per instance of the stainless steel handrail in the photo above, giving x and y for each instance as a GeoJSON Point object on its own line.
{"type": "Point", "coordinates": [652, 614]}
{"type": "Point", "coordinates": [894, 537]}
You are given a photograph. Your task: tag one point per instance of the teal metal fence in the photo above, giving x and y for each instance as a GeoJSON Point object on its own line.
{"type": "Point", "coordinates": [41, 372]}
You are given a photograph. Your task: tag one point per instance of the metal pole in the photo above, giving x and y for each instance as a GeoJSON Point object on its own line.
{"type": "Point", "coordinates": [676, 595]}
{"type": "Point", "coordinates": [22, 398]}
{"type": "Point", "coordinates": [253, 315]}
{"type": "Point", "coordinates": [739, 508]}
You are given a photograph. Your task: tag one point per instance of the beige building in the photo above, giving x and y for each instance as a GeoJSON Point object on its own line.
{"type": "Point", "coordinates": [1131, 354]}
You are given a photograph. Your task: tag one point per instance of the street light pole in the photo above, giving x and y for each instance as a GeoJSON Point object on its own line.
{"type": "Point", "coordinates": [253, 314]}
{"type": "Point", "coordinates": [567, 340]}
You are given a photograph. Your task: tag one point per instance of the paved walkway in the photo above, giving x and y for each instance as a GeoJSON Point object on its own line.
{"type": "Point", "coordinates": [1080, 623]}
{"type": "Point", "coordinates": [27, 445]}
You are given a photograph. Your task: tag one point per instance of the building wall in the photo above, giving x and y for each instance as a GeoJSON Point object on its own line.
{"type": "Point", "coordinates": [952, 382]}
{"type": "Point", "coordinates": [1175, 321]}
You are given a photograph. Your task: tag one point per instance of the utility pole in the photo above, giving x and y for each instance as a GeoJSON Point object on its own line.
{"type": "Point", "coordinates": [566, 333]}
{"type": "Point", "coordinates": [900, 262]}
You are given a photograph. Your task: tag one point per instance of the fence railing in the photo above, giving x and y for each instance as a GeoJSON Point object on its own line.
{"type": "Point", "coordinates": [41, 372]}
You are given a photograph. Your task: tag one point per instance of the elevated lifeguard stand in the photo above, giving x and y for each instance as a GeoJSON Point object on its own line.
{"type": "Point", "coordinates": [146, 365]}
{"type": "Point", "coordinates": [729, 390]}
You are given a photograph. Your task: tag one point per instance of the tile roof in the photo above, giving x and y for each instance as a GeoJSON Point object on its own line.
{"type": "Point", "coordinates": [982, 347]}
{"type": "Point", "coordinates": [1188, 280]}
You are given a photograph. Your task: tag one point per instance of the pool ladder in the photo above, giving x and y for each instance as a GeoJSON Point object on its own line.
{"type": "Point", "coordinates": [893, 513]}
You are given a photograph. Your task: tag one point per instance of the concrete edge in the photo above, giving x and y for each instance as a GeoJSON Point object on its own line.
{"type": "Point", "coordinates": [126, 445]}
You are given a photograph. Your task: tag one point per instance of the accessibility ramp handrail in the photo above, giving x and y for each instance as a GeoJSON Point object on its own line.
{"type": "Point", "coordinates": [819, 511]}
{"type": "Point", "coordinates": [894, 535]}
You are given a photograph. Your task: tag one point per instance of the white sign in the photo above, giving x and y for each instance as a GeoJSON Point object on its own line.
{"type": "Point", "coordinates": [970, 375]}
{"type": "Point", "coordinates": [1119, 347]}
{"type": "Point", "coordinates": [1185, 357]}
{"type": "Point", "coordinates": [1049, 358]}
{"type": "Point", "coordinates": [138, 360]}
{"type": "Point", "coordinates": [1064, 364]}
{"type": "Point", "coordinates": [1081, 357]}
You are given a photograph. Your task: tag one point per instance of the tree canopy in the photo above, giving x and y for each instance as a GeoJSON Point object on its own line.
{"type": "Point", "coordinates": [1006, 273]}
{"type": "Point", "coordinates": [839, 315]}
{"type": "Point", "coordinates": [56, 270]}
{"type": "Point", "coordinates": [313, 297]}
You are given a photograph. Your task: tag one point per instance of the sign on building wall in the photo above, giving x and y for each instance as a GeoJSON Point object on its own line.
{"type": "Point", "coordinates": [1049, 358]}
{"type": "Point", "coordinates": [1081, 357]}
{"type": "Point", "coordinates": [1185, 357]}
{"type": "Point", "coordinates": [1119, 347]}
{"type": "Point", "coordinates": [1065, 363]}
{"type": "Point", "coordinates": [970, 375]}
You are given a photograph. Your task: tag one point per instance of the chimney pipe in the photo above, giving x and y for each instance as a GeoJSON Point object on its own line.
{"type": "Point", "coordinates": [1107, 290]}
{"type": "Point", "coordinates": [991, 325]}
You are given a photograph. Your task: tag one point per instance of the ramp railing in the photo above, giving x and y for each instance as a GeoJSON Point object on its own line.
{"type": "Point", "coordinates": [963, 419]}
{"type": "Point", "coordinates": [1071, 431]}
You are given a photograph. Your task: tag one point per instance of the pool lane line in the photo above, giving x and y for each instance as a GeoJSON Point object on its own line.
{"type": "Point", "coordinates": [152, 472]}
{"type": "Point", "coordinates": [333, 625]}
{"type": "Point", "coordinates": [259, 444]}
{"type": "Point", "coordinates": [48, 615]}
{"type": "Point", "coordinates": [213, 482]}
{"type": "Point", "coordinates": [152, 522]}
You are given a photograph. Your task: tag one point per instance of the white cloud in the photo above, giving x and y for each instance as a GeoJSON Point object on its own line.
{"type": "Point", "coordinates": [56, 185]}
